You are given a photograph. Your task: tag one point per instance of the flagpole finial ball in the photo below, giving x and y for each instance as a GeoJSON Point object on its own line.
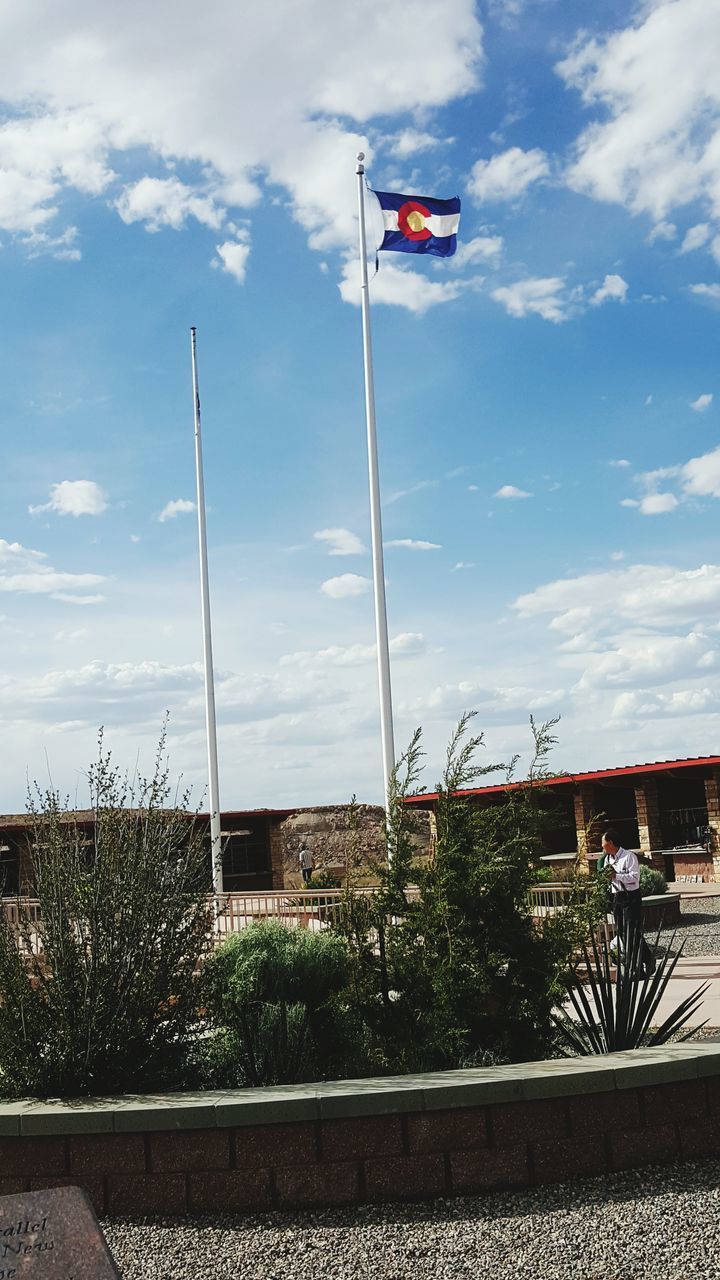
{"type": "Point", "coordinates": [361, 155]}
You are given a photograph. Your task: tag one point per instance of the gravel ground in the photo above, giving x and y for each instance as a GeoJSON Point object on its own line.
{"type": "Point", "coordinates": [700, 928]}
{"type": "Point", "coordinates": [662, 1224]}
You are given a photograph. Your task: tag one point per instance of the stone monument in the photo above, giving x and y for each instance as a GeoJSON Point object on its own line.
{"type": "Point", "coordinates": [52, 1235]}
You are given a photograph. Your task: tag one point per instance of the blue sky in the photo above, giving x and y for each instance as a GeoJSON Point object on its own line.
{"type": "Point", "coordinates": [547, 400]}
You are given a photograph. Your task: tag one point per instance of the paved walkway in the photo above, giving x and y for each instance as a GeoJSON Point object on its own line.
{"type": "Point", "coordinates": [694, 890]}
{"type": "Point", "coordinates": [691, 973]}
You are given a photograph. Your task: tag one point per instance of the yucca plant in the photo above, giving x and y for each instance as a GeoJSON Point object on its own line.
{"type": "Point", "coordinates": [622, 1014]}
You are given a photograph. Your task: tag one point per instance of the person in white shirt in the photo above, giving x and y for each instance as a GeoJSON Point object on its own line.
{"type": "Point", "coordinates": [306, 861]}
{"type": "Point", "coordinates": [622, 867]}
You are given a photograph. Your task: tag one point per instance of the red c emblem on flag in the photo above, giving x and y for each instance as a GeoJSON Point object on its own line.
{"type": "Point", "coordinates": [411, 220]}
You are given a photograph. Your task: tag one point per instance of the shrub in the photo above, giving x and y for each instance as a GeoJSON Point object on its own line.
{"type": "Point", "coordinates": [463, 971]}
{"type": "Point", "coordinates": [323, 880]}
{"type": "Point", "coordinates": [651, 881]}
{"type": "Point", "coordinates": [98, 996]}
{"type": "Point", "coordinates": [274, 991]}
{"type": "Point", "coordinates": [543, 875]}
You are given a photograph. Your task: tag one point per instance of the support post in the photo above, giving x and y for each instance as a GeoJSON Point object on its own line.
{"type": "Point", "coordinates": [210, 721]}
{"type": "Point", "coordinates": [381, 627]}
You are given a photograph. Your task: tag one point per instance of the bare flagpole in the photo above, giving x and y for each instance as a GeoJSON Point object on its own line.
{"type": "Point", "coordinates": [210, 723]}
{"type": "Point", "coordinates": [381, 627]}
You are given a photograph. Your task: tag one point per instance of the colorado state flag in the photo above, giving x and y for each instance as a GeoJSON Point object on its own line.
{"type": "Point", "coordinates": [418, 224]}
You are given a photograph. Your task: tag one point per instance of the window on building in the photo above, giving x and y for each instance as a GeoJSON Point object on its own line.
{"type": "Point", "coordinates": [246, 859]}
{"type": "Point", "coordinates": [9, 865]}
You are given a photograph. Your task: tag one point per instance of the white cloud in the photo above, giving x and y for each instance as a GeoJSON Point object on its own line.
{"type": "Point", "coordinates": [662, 231]}
{"type": "Point", "coordinates": [233, 256]}
{"type": "Point", "coordinates": [511, 491]}
{"type": "Point", "coordinates": [709, 291]}
{"type": "Point", "coordinates": [414, 544]}
{"type": "Point", "coordinates": [401, 287]}
{"type": "Point", "coordinates": [613, 289]}
{"type": "Point", "coordinates": [413, 488]}
{"type": "Point", "coordinates": [647, 401]}
{"type": "Point", "coordinates": [695, 237]}
{"type": "Point", "coordinates": [220, 95]}
{"type": "Point", "coordinates": [702, 403]}
{"type": "Point", "coordinates": [63, 247]}
{"type": "Point", "coordinates": [347, 584]}
{"type": "Point", "coordinates": [542, 296]}
{"type": "Point", "coordinates": [462, 564]}
{"type": "Point", "coordinates": [24, 201]}
{"type": "Point", "coordinates": [74, 498]}
{"type": "Point", "coordinates": [354, 655]}
{"type": "Point", "coordinates": [39, 154]}
{"type": "Point", "coordinates": [340, 542]}
{"type": "Point", "coordinates": [71, 597]}
{"type": "Point", "coordinates": [479, 249]}
{"type": "Point", "coordinates": [508, 175]}
{"type": "Point", "coordinates": [701, 475]}
{"type": "Point", "coordinates": [405, 645]}
{"type": "Point", "coordinates": [655, 87]}
{"type": "Point", "coordinates": [167, 202]}
{"type": "Point", "coordinates": [27, 572]}
{"type": "Point", "coordinates": [641, 594]}
{"type": "Point", "coordinates": [680, 702]}
{"type": "Point", "coordinates": [619, 462]}
{"type": "Point", "coordinates": [176, 507]}
{"type": "Point", "coordinates": [502, 703]}
{"type": "Point", "coordinates": [648, 659]}
{"type": "Point", "coordinates": [411, 142]}
{"type": "Point", "coordinates": [656, 504]}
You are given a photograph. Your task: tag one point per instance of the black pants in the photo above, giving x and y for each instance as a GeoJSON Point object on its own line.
{"type": "Point", "coordinates": [306, 874]}
{"type": "Point", "coordinates": [627, 914]}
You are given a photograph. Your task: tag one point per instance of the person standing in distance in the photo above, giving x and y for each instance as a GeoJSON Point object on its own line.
{"type": "Point", "coordinates": [623, 870]}
{"type": "Point", "coordinates": [306, 862]}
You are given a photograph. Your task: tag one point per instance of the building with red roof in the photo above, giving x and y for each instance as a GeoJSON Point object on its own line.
{"type": "Point", "coordinates": [667, 809]}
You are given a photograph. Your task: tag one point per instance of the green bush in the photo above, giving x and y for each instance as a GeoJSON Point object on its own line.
{"type": "Point", "coordinates": [651, 881]}
{"type": "Point", "coordinates": [323, 880]}
{"type": "Point", "coordinates": [464, 971]}
{"type": "Point", "coordinates": [275, 993]}
{"type": "Point", "coordinates": [98, 995]}
{"type": "Point", "coordinates": [543, 875]}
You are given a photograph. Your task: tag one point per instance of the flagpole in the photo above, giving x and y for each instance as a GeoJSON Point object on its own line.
{"type": "Point", "coordinates": [210, 723]}
{"type": "Point", "coordinates": [381, 627]}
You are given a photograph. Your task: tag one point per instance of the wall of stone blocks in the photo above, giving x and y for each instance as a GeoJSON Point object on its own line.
{"type": "Point", "coordinates": [335, 843]}
{"type": "Point", "coordinates": [647, 804]}
{"type": "Point", "coordinates": [371, 1141]}
{"type": "Point", "coordinates": [712, 797]}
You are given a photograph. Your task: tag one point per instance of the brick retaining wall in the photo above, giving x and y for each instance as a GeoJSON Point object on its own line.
{"type": "Point", "coordinates": [349, 1142]}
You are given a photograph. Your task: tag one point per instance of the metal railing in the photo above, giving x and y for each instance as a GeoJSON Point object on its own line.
{"type": "Point", "coordinates": [548, 899]}
{"type": "Point", "coordinates": [314, 909]}
{"type": "Point", "coordinates": [298, 908]}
